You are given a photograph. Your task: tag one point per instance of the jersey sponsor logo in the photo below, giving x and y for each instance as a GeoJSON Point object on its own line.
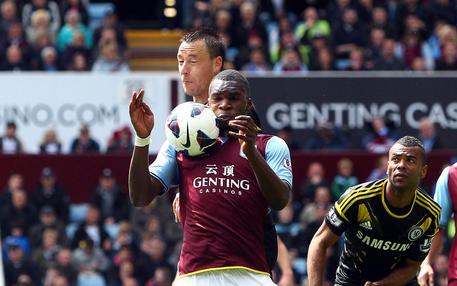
{"type": "Point", "coordinates": [333, 218]}
{"type": "Point", "coordinates": [425, 247]}
{"type": "Point", "coordinates": [205, 185]}
{"type": "Point", "coordinates": [366, 225]}
{"type": "Point", "coordinates": [382, 244]}
{"type": "Point", "coordinates": [414, 233]}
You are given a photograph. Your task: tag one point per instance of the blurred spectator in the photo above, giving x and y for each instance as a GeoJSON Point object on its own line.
{"type": "Point", "coordinates": [19, 265]}
{"type": "Point", "coordinates": [49, 194]}
{"type": "Point", "coordinates": [327, 137]}
{"type": "Point", "coordinates": [324, 61]}
{"type": "Point", "coordinates": [110, 199]}
{"type": "Point", "coordinates": [287, 134]}
{"type": "Point", "coordinates": [14, 182]}
{"type": "Point", "coordinates": [72, 25]}
{"type": "Point", "coordinates": [162, 277]}
{"type": "Point", "coordinates": [109, 60]}
{"type": "Point", "coordinates": [77, 46]}
{"type": "Point", "coordinates": [50, 6]}
{"type": "Point", "coordinates": [8, 15]}
{"type": "Point", "coordinates": [44, 254]}
{"type": "Point", "coordinates": [14, 60]}
{"type": "Point", "coordinates": [441, 270]}
{"type": "Point", "coordinates": [290, 62]}
{"type": "Point", "coordinates": [40, 24]}
{"type": "Point", "coordinates": [448, 60]}
{"type": "Point", "coordinates": [413, 47]}
{"type": "Point", "coordinates": [153, 255]}
{"type": "Point", "coordinates": [249, 24]}
{"type": "Point", "coordinates": [380, 19]}
{"type": "Point", "coordinates": [15, 36]}
{"type": "Point", "coordinates": [64, 263]}
{"type": "Point", "coordinates": [78, 63]}
{"type": "Point", "coordinates": [348, 35]}
{"type": "Point", "coordinates": [77, 5]}
{"type": "Point", "coordinates": [84, 143]}
{"type": "Point", "coordinates": [310, 213]}
{"type": "Point", "coordinates": [374, 49]}
{"type": "Point", "coordinates": [92, 229]}
{"type": "Point", "coordinates": [89, 257]}
{"type": "Point", "coordinates": [380, 171]}
{"type": "Point", "coordinates": [121, 141]}
{"type": "Point", "coordinates": [343, 179]}
{"type": "Point", "coordinates": [315, 178]}
{"type": "Point", "coordinates": [388, 61]}
{"type": "Point", "coordinates": [357, 60]}
{"type": "Point", "coordinates": [50, 143]}
{"type": "Point", "coordinates": [379, 136]}
{"type": "Point", "coordinates": [418, 65]}
{"type": "Point", "coordinates": [48, 220]}
{"type": "Point", "coordinates": [257, 63]}
{"type": "Point", "coordinates": [405, 9]}
{"type": "Point", "coordinates": [428, 135]}
{"type": "Point", "coordinates": [10, 143]}
{"type": "Point", "coordinates": [17, 237]}
{"type": "Point", "coordinates": [286, 226]}
{"type": "Point", "coordinates": [49, 60]}
{"type": "Point", "coordinates": [442, 10]}
{"type": "Point", "coordinates": [311, 26]}
{"type": "Point", "coordinates": [335, 10]}
{"type": "Point", "coordinates": [110, 31]}
{"type": "Point", "coordinates": [21, 210]}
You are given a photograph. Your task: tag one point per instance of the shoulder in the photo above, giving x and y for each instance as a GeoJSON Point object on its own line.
{"type": "Point", "coordinates": [424, 200]}
{"type": "Point", "coordinates": [270, 140]}
{"type": "Point", "coordinates": [360, 192]}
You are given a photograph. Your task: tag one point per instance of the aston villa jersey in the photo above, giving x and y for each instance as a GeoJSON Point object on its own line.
{"type": "Point", "coordinates": [222, 208]}
{"type": "Point", "coordinates": [378, 237]}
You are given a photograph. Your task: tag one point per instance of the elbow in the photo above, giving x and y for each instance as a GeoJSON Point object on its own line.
{"type": "Point", "coordinates": [139, 202]}
{"type": "Point", "coordinates": [281, 202]}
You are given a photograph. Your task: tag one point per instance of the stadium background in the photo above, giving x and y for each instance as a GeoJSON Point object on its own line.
{"type": "Point", "coordinates": [325, 85]}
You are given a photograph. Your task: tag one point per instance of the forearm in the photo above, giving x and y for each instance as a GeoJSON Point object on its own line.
{"type": "Point", "coordinates": [400, 276]}
{"type": "Point", "coordinates": [283, 258]}
{"type": "Point", "coordinates": [141, 190]}
{"type": "Point", "coordinates": [275, 191]}
{"type": "Point", "coordinates": [316, 263]}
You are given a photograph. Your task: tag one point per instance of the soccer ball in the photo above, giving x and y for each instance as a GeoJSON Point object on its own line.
{"type": "Point", "coordinates": [191, 128]}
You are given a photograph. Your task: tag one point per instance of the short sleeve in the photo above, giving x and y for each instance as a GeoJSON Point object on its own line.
{"type": "Point", "coordinates": [164, 168]}
{"type": "Point", "coordinates": [443, 198]}
{"type": "Point", "coordinates": [277, 155]}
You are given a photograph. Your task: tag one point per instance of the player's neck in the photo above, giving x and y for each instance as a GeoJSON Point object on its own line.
{"type": "Point", "coordinates": [203, 99]}
{"type": "Point", "coordinates": [399, 198]}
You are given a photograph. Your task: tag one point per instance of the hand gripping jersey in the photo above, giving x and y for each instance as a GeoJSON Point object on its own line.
{"type": "Point", "coordinates": [379, 237]}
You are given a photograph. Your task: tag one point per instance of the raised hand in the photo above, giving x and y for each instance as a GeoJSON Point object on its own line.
{"type": "Point", "coordinates": [141, 115]}
{"type": "Point", "coordinates": [247, 132]}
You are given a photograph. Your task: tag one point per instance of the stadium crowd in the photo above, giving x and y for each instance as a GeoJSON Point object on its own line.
{"type": "Point", "coordinates": [328, 35]}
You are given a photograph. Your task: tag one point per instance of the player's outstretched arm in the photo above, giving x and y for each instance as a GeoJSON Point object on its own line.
{"type": "Point", "coordinates": [275, 191]}
{"type": "Point", "coordinates": [400, 276]}
{"type": "Point", "coordinates": [142, 187]}
{"type": "Point", "coordinates": [322, 240]}
{"type": "Point", "coordinates": [425, 277]}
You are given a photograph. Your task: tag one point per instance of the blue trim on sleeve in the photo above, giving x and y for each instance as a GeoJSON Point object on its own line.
{"type": "Point", "coordinates": [277, 155]}
{"type": "Point", "coordinates": [164, 168]}
{"type": "Point", "coordinates": [443, 198]}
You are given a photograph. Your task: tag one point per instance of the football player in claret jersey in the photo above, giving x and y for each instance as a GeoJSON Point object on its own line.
{"type": "Point", "coordinates": [388, 225]}
{"type": "Point", "coordinates": [225, 195]}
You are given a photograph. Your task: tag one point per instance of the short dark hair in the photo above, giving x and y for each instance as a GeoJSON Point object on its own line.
{"type": "Point", "coordinates": [212, 40]}
{"type": "Point", "coordinates": [233, 75]}
{"type": "Point", "coordinates": [411, 141]}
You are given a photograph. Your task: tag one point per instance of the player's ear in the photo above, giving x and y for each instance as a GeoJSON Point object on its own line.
{"type": "Point", "coordinates": [218, 62]}
{"type": "Point", "coordinates": [424, 171]}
